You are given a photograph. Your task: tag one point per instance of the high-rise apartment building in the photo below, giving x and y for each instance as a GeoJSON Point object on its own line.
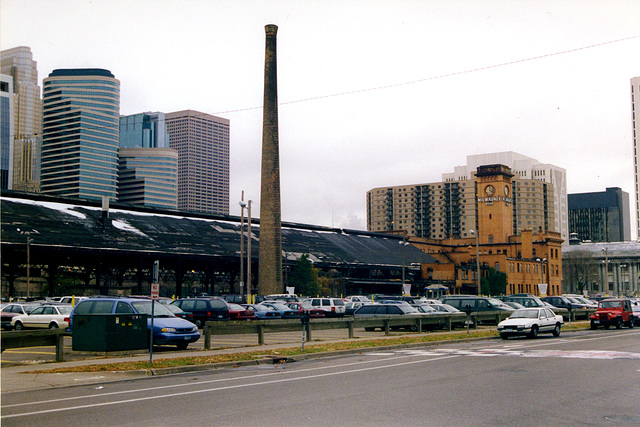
{"type": "Point", "coordinates": [202, 142]}
{"type": "Point", "coordinates": [80, 133]}
{"type": "Point", "coordinates": [635, 122]}
{"type": "Point", "coordinates": [600, 216]}
{"type": "Point", "coordinates": [27, 122]}
{"type": "Point", "coordinates": [448, 209]}
{"type": "Point", "coordinates": [148, 168]}
{"type": "Point", "coordinates": [6, 132]}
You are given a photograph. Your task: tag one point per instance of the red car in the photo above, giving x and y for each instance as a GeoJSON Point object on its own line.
{"type": "Point", "coordinates": [301, 307]}
{"type": "Point", "coordinates": [238, 312]}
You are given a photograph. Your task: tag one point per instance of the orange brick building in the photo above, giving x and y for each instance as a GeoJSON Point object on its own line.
{"type": "Point", "coordinates": [528, 259]}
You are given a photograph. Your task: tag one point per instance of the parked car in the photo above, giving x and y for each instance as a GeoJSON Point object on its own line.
{"type": "Point", "coordinates": [580, 303]}
{"type": "Point", "coordinates": [238, 312]}
{"type": "Point", "coordinates": [613, 312]}
{"type": "Point", "coordinates": [446, 308]}
{"type": "Point", "coordinates": [531, 322]}
{"type": "Point", "coordinates": [425, 308]}
{"type": "Point", "coordinates": [351, 307]}
{"type": "Point", "coordinates": [559, 301]}
{"type": "Point", "coordinates": [513, 304]}
{"type": "Point", "coordinates": [168, 329]}
{"type": "Point", "coordinates": [204, 309]}
{"type": "Point", "coordinates": [284, 311]}
{"type": "Point", "coordinates": [303, 307]}
{"type": "Point", "coordinates": [334, 307]}
{"type": "Point", "coordinates": [177, 311]}
{"type": "Point", "coordinates": [11, 310]}
{"type": "Point", "coordinates": [282, 298]}
{"type": "Point", "coordinates": [524, 300]}
{"type": "Point", "coordinates": [358, 298]}
{"type": "Point", "coordinates": [476, 303]}
{"type": "Point", "coordinates": [262, 311]}
{"type": "Point", "coordinates": [73, 300]}
{"type": "Point", "coordinates": [50, 316]}
{"type": "Point", "coordinates": [369, 311]}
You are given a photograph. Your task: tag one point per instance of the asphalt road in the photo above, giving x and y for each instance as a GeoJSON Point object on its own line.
{"type": "Point", "coordinates": [586, 378]}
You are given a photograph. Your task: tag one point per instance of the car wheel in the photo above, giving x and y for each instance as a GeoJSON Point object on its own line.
{"type": "Point", "coordinates": [619, 323]}
{"type": "Point", "coordinates": [606, 325]}
{"type": "Point", "coordinates": [182, 345]}
{"type": "Point", "coordinates": [53, 326]}
{"type": "Point", "coordinates": [199, 323]}
{"type": "Point", "coordinates": [18, 326]}
{"type": "Point", "coordinates": [593, 325]}
{"type": "Point", "coordinates": [534, 331]}
{"type": "Point", "coordinates": [413, 328]}
{"type": "Point", "coordinates": [504, 336]}
{"type": "Point", "coordinates": [556, 330]}
{"type": "Point", "coordinates": [632, 322]}
{"type": "Point", "coordinates": [369, 329]}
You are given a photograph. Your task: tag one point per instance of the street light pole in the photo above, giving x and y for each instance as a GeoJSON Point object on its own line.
{"type": "Point", "coordinates": [477, 258]}
{"type": "Point", "coordinates": [249, 300]}
{"type": "Point", "coordinates": [606, 272]}
{"type": "Point", "coordinates": [242, 206]}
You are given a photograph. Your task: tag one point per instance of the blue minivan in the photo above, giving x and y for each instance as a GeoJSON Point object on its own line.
{"type": "Point", "coordinates": [167, 328]}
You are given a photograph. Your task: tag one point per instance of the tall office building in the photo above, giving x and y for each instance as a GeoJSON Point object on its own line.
{"type": "Point", "coordinates": [448, 208]}
{"type": "Point", "coordinates": [144, 130]}
{"type": "Point", "coordinates": [6, 132]}
{"type": "Point", "coordinates": [27, 122]}
{"type": "Point", "coordinates": [148, 169]}
{"type": "Point", "coordinates": [202, 142]}
{"type": "Point", "coordinates": [600, 216]}
{"type": "Point", "coordinates": [635, 122]}
{"type": "Point", "coordinates": [80, 133]}
{"type": "Point", "coordinates": [148, 177]}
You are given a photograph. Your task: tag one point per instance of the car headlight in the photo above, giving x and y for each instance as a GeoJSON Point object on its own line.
{"type": "Point", "coordinates": [195, 329]}
{"type": "Point", "coordinates": [168, 329]}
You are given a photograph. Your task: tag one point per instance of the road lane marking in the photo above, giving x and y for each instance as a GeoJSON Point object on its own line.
{"type": "Point", "coordinates": [229, 387]}
{"type": "Point", "coordinates": [217, 380]}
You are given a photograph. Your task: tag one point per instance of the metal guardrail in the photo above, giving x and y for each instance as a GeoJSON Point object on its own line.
{"type": "Point", "coordinates": [20, 339]}
{"type": "Point", "coordinates": [387, 323]}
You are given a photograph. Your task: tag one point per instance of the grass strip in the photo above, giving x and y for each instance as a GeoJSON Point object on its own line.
{"type": "Point", "coordinates": [282, 352]}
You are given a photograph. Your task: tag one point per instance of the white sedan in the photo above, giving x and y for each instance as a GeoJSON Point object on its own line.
{"type": "Point", "coordinates": [46, 316]}
{"type": "Point", "coordinates": [531, 322]}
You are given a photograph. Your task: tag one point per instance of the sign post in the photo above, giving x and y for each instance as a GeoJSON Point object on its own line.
{"type": "Point", "coordinates": [155, 294]}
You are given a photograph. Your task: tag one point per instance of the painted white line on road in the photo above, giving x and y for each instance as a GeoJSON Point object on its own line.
{"type": "Point", "coordinates": [195, 383]}
{"type": "Point", "coordinates": [229, 387]}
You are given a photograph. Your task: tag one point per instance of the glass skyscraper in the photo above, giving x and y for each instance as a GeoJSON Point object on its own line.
{"type": "Point", "coordinates": [80, 130]}
{"type": "Point", "coordinates": [6, 132]}
{"type": "Point", "coordinates": [27, 117]}
{"type": "Point", "coordinates": [144, 130]}
{"type": "Point", "coordinates": [148, 169]}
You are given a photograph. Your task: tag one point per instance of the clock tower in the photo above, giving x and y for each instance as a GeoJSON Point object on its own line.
{"type": "Point", "coordinates": [494, 203]}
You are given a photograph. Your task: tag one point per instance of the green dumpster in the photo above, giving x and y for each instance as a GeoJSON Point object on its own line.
{"type": "Point", "coordinates": [109, 332]}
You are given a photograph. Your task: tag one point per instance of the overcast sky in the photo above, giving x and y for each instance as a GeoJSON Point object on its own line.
{"type": "Point", "coordinates": [372, 93]}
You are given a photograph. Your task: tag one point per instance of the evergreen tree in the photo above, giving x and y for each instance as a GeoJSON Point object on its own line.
{"type": "Point", "coordinates": [495, 283]}
{"type": "Point", "coordinates": [304, 277]}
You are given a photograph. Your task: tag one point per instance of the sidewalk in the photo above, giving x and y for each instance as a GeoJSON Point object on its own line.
{"type": "Point", "coordinates": [23, 377]}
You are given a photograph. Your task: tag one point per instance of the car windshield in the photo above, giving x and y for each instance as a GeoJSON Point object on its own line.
{"type": "Point", "coordinates": [280, 307]}
{"type": "Point", "coordinates": [496, 302]}
{"type": "Point", "coordinates": [610, 304]}
{"type": "Point", "coordinates": [159, 310]}
{"type": "Point", "coordinates": [172, 308]}
{"type": "Point", "coordinates": [407, 309]}
{"type": "Point", "coordinates": [524, 313]}
{"type": "Point", "coordinates": [307, 306]}
{"type": "Point", "coordinates": [235, 307]}
{"type": "Point", "coordinates": [261, 307]}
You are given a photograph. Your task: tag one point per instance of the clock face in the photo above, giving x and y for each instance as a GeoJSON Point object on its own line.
{"type": "Point", "coordinates": [506, 190]}
{"type": "Point", "coordinates": [489, 190]}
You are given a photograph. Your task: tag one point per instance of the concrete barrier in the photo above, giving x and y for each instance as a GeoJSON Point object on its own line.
{"type": "Point", "coordinates": [37, 338]}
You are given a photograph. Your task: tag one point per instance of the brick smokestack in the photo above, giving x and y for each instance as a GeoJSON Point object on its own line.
{"type": "Point", "coordinates": [270, 267]}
